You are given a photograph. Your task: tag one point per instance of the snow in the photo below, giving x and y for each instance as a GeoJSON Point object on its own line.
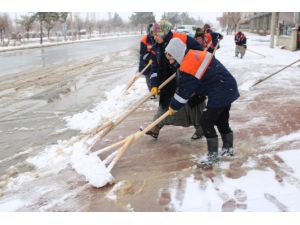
{"type": "Point", "coordinates": [258, 185]}
{"type": "Point", "coordinates": [91, 167]}
{"type": "Point", "coordinates": [75, 152]}
{"type": "Point", "coordinates": [11, 205]}
{"type": "Point", "coordinates": [115, 104]}
{"type": "Point", "coordinates": [48, 44]}
{"type": "Point", "coordinates": [288, 138]}
{"type": "Point", "coordinates": [292, 158]}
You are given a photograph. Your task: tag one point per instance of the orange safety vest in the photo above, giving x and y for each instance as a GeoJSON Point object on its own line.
{"type": "Point", "coordinates": [196, 62]}
{"type": "Point", "coordinates": [148, 45]}
{"type": "Point", "coordinates": [208, 40]}
{"type": "Point", "coordinates": [181, 36]}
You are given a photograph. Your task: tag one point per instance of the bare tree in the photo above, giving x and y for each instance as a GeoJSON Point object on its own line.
{"type": "Point", "coordinates": [173, 17]}
{"type": "Point", "coordinates": [26, 22]}
{"type": "Point", "coordinates": [79, 24]}
{"type": "Point", "coordinates": [89, 25]}
{"type": "Point", "coordinates": [233, 20]}
{"type": "Point", "coordinates": [141, 19]}
{"type": "Point", "coordinates": [223, 21]}
{"type": "Point", "coordinates": [63, 19]}
{"type": "Point", "coordinates": [100, 25]}
{"type": "Point", "coordinates": [5, 23]}
{"type": "Point", "coordinates": [50, 19]}
{"type": "Point", "coordinates": [185, 18]}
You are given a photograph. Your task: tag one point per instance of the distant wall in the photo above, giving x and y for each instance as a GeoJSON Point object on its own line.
{"type": "Point", "coordinates": [288, 42]}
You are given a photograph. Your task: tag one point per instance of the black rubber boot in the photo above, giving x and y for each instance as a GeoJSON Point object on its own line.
{"type": "Point", "coordinates": [198, 133]}
{"type": "Point", "coordinates": [212, 155]}
{"type": "Point", "coordinates": [227, 149]}
{"type": "Point", "coordinates": [154, 132]}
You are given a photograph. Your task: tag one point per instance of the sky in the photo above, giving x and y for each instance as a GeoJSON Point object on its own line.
{"type": "Point", "coordinates": [205, 16]}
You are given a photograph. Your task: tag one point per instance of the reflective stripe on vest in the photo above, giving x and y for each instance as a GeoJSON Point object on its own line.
{"type": "Point", "coordinates": [181, 36]}
{"type": "Point", "coordinates": [148, 45]}
{"type": "Point", "coordinates": [153, 75]}
{"type": "Point", "coordinates": [180, 99]}
{"type": "Point", "coordinates": [196, 62]}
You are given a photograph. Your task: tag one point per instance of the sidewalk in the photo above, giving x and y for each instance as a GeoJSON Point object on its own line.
{"type": "Point", "coordinates": [48, 44]}
{"type": "Point", "coordinates": [159, 175]}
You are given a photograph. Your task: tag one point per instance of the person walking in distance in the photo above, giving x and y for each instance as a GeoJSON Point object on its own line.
{"type": "Point", "coordinates": [240, 44]}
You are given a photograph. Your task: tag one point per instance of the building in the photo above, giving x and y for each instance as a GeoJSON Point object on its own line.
{"type": "Point", "coordinates": [287, 26]}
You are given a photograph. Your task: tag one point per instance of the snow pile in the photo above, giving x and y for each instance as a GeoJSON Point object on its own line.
{"type": "Point", "coordinates": [288, 138]}
{"type": "Point", "coordinates": [75, 151]}
{"type": "Point", "coordinates": [116, 104]}
{"type": "Point", "coordinates": [90, 166]}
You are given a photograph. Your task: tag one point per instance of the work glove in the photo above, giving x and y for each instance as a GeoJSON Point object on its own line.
{"type": "Point", "coordinates": [154, 91]}
{"type": "Point", "coordinates": [172, 111]}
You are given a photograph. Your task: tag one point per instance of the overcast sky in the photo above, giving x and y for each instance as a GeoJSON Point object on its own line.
{"type": "Point", "coordinates": [205, 16]}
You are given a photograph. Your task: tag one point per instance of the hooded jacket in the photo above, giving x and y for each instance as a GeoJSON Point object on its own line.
{"type": "Point", "coordinates": [202, 74]}
{"type": "Point", "coordinates": [161, 68]}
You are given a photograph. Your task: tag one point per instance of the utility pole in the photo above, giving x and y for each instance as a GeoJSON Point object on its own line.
{"type": "Point", "coordinates": [273, 28]}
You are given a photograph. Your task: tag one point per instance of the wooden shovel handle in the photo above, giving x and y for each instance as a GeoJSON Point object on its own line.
{"type": "Point", "coordinates": [149, 127]}
{"type": "Point", "coordinates": [121, 152]}
{"type": "Point", "coordinates": [108, 148]}
{"type": "Point", "coordinates": [135, 77]}
{"type": "Point", "coordinates": [132, 138]}
{"type": "Point", "coordinates": [271, 75]}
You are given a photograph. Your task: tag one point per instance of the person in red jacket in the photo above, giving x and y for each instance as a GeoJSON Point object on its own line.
{"type": "Point", "coordinates": [240, 44]}
{"type": "Point", "coordinates": [201, 73]}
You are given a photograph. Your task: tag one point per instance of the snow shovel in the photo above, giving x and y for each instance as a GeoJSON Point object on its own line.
{"type": "Point", "coordinates": [136, 76]}
{"type": "Point", "coordinates": [261, 80]}
{"type": "Point", "coordinates": [95, 170]}
{"type": "Point", "coordinates": [256, 53]}
{"type": "Point", "coordinates": [134, 137]}
{"type": "Point", "coordinates": [109, 126]}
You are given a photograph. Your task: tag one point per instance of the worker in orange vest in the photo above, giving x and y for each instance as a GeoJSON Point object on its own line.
{"type": "Point", "coordinates": [205, 39]}
{"type": "Point", "coordinates": [201, 73]}
{"type": "Point", "coordinates": [145, 54]}
{"type": "Point", "coordinates": [162, 70]}
{"type": "Point", "coordinates": [211, 37]}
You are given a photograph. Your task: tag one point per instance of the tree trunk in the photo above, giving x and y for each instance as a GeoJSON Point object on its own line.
{"type": "Point", "coordinates": [65, 31]}
{"type": "Point", "coordinates": [27, 35]}
{"type": "Point", "coordinates": [41, 32]}
{"type": "Point", "coordinates": [48, 34]}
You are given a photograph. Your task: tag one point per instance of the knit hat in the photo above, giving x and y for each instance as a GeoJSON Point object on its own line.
{"type": "Point", "coordinates": [176, 48]}
{"type": "Point", "coordinates": [161, 28]}
{"type": "Point", "coordinates": [149, 31]}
